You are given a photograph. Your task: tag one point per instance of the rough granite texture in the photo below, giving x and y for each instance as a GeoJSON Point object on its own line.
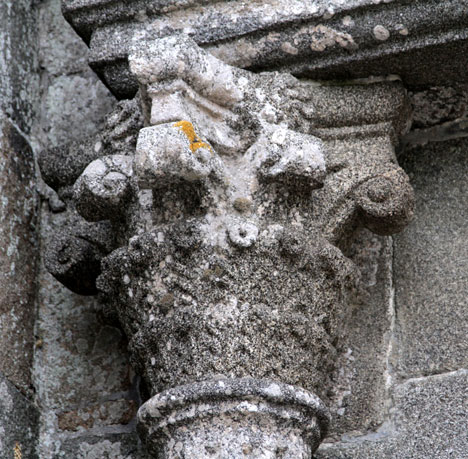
{"type": "Point", "coordinates": [86, 390]}
{"type": "Point", "coordinates": [18, 255]}
{"type": "Point", "coordinates": [233, 418]}
{"type": "Point", "coordinates": [429, 419]}
{"type": "Point", "coordinates": [427, 413]}
{"type": "Point", "coordinates": [360, 396]}
{"type": "Point", "coordinates": [439, 104]}
{"type": "Point", "coordinates": [432, 318]}
{"type": "Point", "coordinates": [18, 423]}
{"type": "Point", "coordinates": [18, 228]}
{"type": "Point", "coordinates": [19, 79]}
{"type": "Point", "coordinates": [69, 102]}
{"type": "Point", "coordinates": [100, 446]}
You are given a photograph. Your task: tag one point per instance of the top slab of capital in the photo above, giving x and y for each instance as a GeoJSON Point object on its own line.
{"type": "Point", "coordinates": [319, 39]}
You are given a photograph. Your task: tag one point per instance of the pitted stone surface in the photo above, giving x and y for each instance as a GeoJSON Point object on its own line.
{"type": "Point", "coordinates": [104, 187]}
{"type": "Point", "coordinates": [85, 387]}
{"type": "Point", "coordinates": [62, 165]}
{"type": "Point", "coordinates": [359, 400]}
{"type": "Point", "coordinates": [18, 423]}
{"type": "Point", "coordinates": [75, 253]}
{"type": "Point", "coordinates": [67, 100]}
{"type": "Point", "coordinates": [432, 316]}
{"type": "Point", "coordinates": [241, 193]}
{"type": "Point", "coordinates": [211, 310]}
{"type": "Point", "coordinates": [19, 79]}
{"type": "Point", "coordinates": [111, 446]}
{"type": "Point", "coordinates": [417, 429]}
{"type": "Point", "coordinates": [440, 104]}
{"type": "Point", "coordinates": [338, 50]}
{"type": "Point", "coordinates": [18, 255]}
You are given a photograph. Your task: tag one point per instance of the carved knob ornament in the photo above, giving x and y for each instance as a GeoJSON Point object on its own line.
{"type": "Point", "coordinates": [228, 206]}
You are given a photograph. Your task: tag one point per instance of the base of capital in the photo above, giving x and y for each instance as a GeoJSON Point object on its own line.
{"type": "Point", "coordinates": [233, 418]}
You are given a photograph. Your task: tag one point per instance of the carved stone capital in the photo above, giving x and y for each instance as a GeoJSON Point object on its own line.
{"type": "Point", "coordinates": [229, 215]}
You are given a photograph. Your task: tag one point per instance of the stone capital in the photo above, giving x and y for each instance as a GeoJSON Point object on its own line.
{"type": "Point", "coordinates": [226, 199]}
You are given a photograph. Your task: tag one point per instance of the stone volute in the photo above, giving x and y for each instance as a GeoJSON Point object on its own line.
{"type": "Point", "coordinates": [217, 203]}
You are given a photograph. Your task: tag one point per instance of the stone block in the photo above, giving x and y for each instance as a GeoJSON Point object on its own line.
{"type": "Point", "coordinates": [82, 373]}
{"type": "Point", "coordinates": [432, 414]}
{"type": "Point", "coordinates": [109, 446]}
{"type": "Point", "coordinates": [429, 420]}
{"type": "Point", "coordinates": [18, 255]}
{"type": "Point", "coordinates": [358, 404]}
{"type": "Point", "coordinates": [19, 80]}
{"type": "Point", "coordinates": [111, 412]}
{"type": "Point", "coordinates": [81, 360]}
{"type": "Point", "coordinates": [60, 50]}
{"type": "Point", "coordinates": [18, 423]}
{"type": "Point", "coordinates": [320, 40]}
{"type": "Point", "coordinates": [431, 270]}
{"type": "Point", "coordinates": [74, 107]}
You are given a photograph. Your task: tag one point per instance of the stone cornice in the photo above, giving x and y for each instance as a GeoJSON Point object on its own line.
{"type": "Point", "coordinates": [319, 40]}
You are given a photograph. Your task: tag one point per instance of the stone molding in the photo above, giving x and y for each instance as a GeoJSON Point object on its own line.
{"type": "Point", "coordinates": [319, 40]}
{"type": "Point", "coordinates": [221, 417]}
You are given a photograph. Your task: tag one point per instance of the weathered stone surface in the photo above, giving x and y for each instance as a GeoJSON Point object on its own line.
{"type": "Point", "coordinates": [74, 100]}
{"type": "Point", "coordinates": [60, 52]}
{"type": "Point", "coordinates": [360, 396]}
{"type": "Point", "coordinates": [81, 369]}
{"type": "Point", "coordinates": [74, 254]}
{"type": "Point", "coordinates": [233, 418]}
{"type": "Point", "coordinates": [104, 187]}
{"type": "Point", "coordinates": [428, 419]}
{"type": "Point", "coordinates": [18, 255]}
{"type": "Point", "coordinates": [18, 61]}
{"type": "Point", "coordinates": [80, 358]}
{"type": "Point", "coordinates": [62, 165]}
{"type": "Point", "coordinates": [85, 388]}
{"type": "Point", "coordinates": [438, 105]}
{"type": "Point", "coordinates": [385, 45]}
{"type": "Point", "coordinates": [18, 423]}
{"type": "Point", "coordinates": [442, 402]}
{"type": "Point", "coordinates": [320, 40]}
{"type": "Point", "coordinates": [106, 413]}
{"type": "Point", "coordinates": [431, 272]}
